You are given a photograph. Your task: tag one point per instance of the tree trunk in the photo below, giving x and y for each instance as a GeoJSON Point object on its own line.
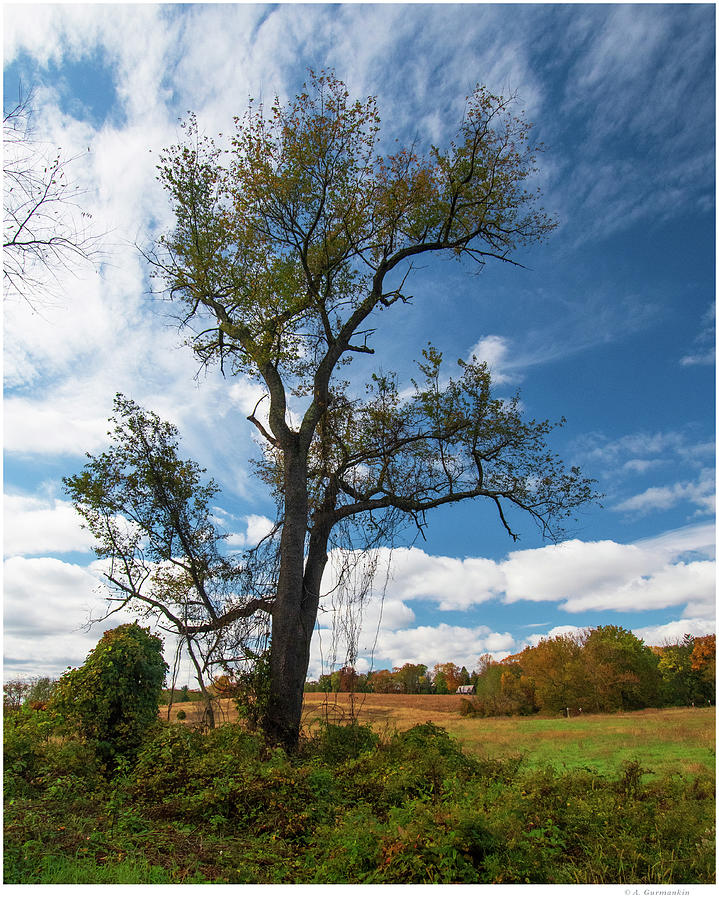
{"type": "Point", "coordinates": [289, 650]}
{"type": "Point", "coordinates": [295, 612]}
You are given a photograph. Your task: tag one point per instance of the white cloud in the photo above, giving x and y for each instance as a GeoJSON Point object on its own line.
{"type": "Point", "coordinates": [673, 632]}
{"type": "Point", "coordinates": [701, 493]}
{"type": "Point", "coordinates": [647, 575]}
{"type": "Point", "coordinates": [48, 605]}
{"type": "Point", "coordinates": [257, 527]}
{"type": "Point", "coordinates": [45, 596]}
{"type": "Point", "coordinates": [580, 575]}
{"type": "Point", "coordinates": [678, 584]}
{"type": "Point", "coordinates": [34, 525]}
{"type": "Point", "coordinates": [533, 639]}
{"type": "Point", "coordinates": [705, 342]}
{"type": "Point", "coordinates": [494, 350]}
{"type": "Point", "coordinates": [449, 582]}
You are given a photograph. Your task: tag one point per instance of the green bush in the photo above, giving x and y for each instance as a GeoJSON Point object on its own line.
{"type": "Point", "coordinates": [35, 761]}
{"type": "Point", "coordinates": [112, 699]}
{"type": "Point", "coordinates": [337, 743]}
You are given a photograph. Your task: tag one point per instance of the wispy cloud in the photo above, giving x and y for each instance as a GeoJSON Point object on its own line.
{"type": "Point", "coordinates": [701, 493]}
{"type": "Point", "coordinates": [704, 353]}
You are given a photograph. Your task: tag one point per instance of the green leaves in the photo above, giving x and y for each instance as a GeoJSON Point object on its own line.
{"type": "Point", "coordinates": [287, 235]}
{"type": "Point", "coordinates": [143, 504]}
{"type": "Point", "coordinates": [112, 700]}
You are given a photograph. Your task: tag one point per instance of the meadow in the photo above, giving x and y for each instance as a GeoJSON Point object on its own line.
{"type": "Point", "coordinates": [670, 741]}
{"type": "Point", "coordinates": [386, 797]}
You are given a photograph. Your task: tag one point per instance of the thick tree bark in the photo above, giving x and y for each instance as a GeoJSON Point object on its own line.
{"type": "Point", "coordinates": [291, 632]}
{"type": "Point", "coordinates": [295, 608]}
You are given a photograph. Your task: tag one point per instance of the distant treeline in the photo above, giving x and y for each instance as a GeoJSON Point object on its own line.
{"type": "Point", "coordinates": [599, 670]}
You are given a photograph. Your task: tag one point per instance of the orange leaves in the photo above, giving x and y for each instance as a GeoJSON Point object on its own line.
{"type": "Point", "coordinates": [704, 653]}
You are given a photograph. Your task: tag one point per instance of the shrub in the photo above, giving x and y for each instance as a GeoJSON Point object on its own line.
{"type": "Point", "coordinates": [35, 761]}
{"type": "Point", "coordinates": [112, 700]}
{"type": "Point", "coordinates": [337, 743]}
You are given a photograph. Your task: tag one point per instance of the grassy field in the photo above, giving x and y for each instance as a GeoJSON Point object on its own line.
{"type": "Point", "coordinates": [668, 741]}
{"type": "Point", "coordinates": [604, 799]}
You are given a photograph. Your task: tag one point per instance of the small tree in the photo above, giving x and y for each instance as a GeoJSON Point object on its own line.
{"type": "Point", "coordinates": [41, 692]}
{"type": "Point", "coordinates": [113, 698]}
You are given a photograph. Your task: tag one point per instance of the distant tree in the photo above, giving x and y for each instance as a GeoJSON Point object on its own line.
{"type": "Point", "coordinates": [385, 682]}
{"type": "Point", "coordinates": [41, 691]}
{"type": "Point", "coordinates": [703, 661]}
{"type": "Point", "coordinates": [347, 679]}
{"type": "Point", "coordinates": [410, 676]}
{"type": "Point", "coordinates": [503, 689]}
{"type": "Point", "coordinates": [620, 670]}
{"type": "Point", "coordinates": [44, 226]}
{"type": "Point", "coordinates": [15, 692]}
{"type": "Point", "coordinates": [446, 678]}
{"type": "Point", "coordinates": [681, 684]}
{"type": "Point", "coordinates": [556, 670]}
{"type": "Point", "coordinates": [288, 252]}
{"type": "Point", "coordinates": [112, 699]}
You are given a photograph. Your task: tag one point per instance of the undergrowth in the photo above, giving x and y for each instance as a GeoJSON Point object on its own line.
{"type": "Point", "coordinates": [349, 807]}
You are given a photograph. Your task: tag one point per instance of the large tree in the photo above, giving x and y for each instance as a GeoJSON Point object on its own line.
{"type": "Point", "coordinates": [290, 248]}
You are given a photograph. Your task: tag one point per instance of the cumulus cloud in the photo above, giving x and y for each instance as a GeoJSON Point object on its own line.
{"type": "Point", "coordinates": [50, 617]}
{"type": "Point", "coordinates": [257, 527]}
{"type": "Point", "coordinates": [47, 604]}
{"type": "Point", "coordinates": [34, 525]}
{"type": "Point", "coordinates": [673, 632]}
{"type": "Point", "coordinates": [534, 639]}
{"type": "Point", "coordinates": [580, 575]}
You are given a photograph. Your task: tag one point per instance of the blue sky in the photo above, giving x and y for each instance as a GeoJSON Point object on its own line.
{"type": "Point", "coordinates": [610, 323]}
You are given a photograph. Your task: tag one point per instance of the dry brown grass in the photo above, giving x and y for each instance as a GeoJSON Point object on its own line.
{"type": "Point", "coordinates": [396, 710]}
{"type": "Point", "coordinates": [664, 738]}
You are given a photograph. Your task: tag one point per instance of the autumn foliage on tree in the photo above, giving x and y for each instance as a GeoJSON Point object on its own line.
{"type": "Point", "coordinates": [290, 248]}
{"type": "Point", "coordinates": [703, 657]}
{"type": "Point", "coordinates": [602, 669]}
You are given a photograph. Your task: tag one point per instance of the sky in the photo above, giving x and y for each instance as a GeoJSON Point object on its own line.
{"type": "Point", "coordinates": [610, 323]}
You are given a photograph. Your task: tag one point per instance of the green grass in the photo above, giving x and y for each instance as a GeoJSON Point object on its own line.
{"type": "Point", "coordinates": [52, 869]}
{"type": "Point", "coordinates": [667, 741]}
